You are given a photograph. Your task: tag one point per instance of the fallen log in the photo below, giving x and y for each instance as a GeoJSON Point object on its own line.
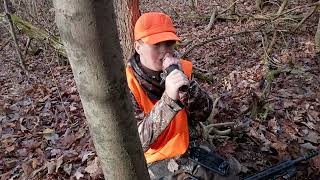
{"type": "Point", "coordinates": [39, 34]}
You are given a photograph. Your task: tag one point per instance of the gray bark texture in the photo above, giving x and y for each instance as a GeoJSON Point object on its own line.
{"type": "Point", "coordinates": [317, 37]}
{"type": "Point", "coordinates": [89, 32]}
{"type": "Point", "coordinates": [127, 13]}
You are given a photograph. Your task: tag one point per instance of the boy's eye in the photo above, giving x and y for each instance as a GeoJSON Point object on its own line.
{"type": "Point", "coordinates": [170, 43]}
{"type": "Point", "coordinates": [166, 43]}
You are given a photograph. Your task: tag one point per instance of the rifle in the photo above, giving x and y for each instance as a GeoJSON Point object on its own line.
{"type": "Point", "coordinates": [286, 169]}
{"type": "Point", "coordinates": [209, 159]}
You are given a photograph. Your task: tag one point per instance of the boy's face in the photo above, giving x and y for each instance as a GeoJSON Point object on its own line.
{"type": "Point", "coordinates": [151, 55]}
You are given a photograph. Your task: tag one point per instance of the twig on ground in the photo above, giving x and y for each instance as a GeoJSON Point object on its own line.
{"type": "Point", "coordinates": [271, 2]}
{"type": "Point", "coordinates": [233, 7]}
{"type": "Point", "coordinates": [212, 19]}
{"type": "Point", "coordinates": [272, 43]}
{"type": "Point", "coordinates": [214, 39]}
{"type": "Point", "coordinates": [27, 46]}
{"type": "Point", "coordinates": [5, 43]}
{"type": "Point", "coordinates": [282, 7]}
{"type": "Point", "coordinates": [258, 4]}
{"type": "Point", "coordinates": [295, 8]}
{"type": "Point", "coordinates": [21, 60]}
{"type": "Point", "coordinates": [229, 7]}
{"type": "Point", "coordinates": [225, 124]}
{"type": "Point", "coordinates": [306, 17]}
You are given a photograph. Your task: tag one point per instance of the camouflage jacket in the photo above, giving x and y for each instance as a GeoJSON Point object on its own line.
{"type": "Point", "coordinates": [197, 102]}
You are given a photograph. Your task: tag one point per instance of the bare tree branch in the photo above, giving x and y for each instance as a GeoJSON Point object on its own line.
{"type": "Point", "coordinates": [282, 7]}
{"type": "Point", "coordinates": [216, 38]}
{"type": "Point", "coordinates": [27, 46]}
{"type": "Point", "coordinates": [5, 43]}
{"type": "Point", "coordinates": [233, 7]}
{"type": "Point", "coordinates": [8, 15]}
{"type": "Point", "coordinates": [306, 17]}
{"type": "Point", "coordinates": [295, 8]}
{"type": "Point", "coordinates": [212, 19]}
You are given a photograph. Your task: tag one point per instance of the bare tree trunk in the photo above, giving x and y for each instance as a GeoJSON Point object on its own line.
{"type": "Point", "coordinates": [128, 13]}
{"type": "Point", "coordinates": [317, 38]}
{"type": "Point", "coordinates": [89, 32]}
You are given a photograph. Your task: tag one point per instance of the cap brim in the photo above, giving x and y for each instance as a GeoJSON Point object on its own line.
{"type": "Point", "coordinates": [160, 37]}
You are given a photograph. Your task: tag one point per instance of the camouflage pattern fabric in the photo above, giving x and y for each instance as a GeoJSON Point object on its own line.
{"type": "Point", "coordinates": [198, 106]}
{"type": "Point", "coordinates": [197, 102]}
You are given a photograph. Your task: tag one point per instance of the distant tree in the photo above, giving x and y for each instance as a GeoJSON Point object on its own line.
{"type": "Point", "coordinates": [88, 29]}
{"type": "Point", "coordinates": [127, 13]}
{"type": "Point", "coordinates": [317, 37]}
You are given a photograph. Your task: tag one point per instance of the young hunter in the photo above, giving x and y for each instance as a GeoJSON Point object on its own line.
{"type": "Point", "coordinates": [167, 117]}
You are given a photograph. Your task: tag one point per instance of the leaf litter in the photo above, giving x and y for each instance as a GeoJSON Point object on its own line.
{"type": "Point", "coordinates": [43, 130]}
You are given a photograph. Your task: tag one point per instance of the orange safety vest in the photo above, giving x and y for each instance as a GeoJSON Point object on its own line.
{"type": "Point", "coordinates": [174, 140]}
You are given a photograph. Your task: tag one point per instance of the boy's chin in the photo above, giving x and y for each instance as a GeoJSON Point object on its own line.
{"type": "Point", "coordinates": [159, 68]}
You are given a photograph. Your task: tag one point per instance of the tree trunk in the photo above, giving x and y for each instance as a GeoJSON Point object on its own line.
{"type": "Point", "coordinates": [127, 12]}
{"type": "Point", "coordinates": [89, 32]}
{"type": "Point", "coordinates": [317, 38]}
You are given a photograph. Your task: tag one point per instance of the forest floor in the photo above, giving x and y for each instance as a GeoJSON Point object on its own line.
{"type": "Point", "coordinates": [274, 101]}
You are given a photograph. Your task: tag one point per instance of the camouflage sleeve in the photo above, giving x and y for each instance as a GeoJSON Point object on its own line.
{"type": "Point", "coordinates": [151, 125]}
{"type": "Point", "coordinates": [199, 103]}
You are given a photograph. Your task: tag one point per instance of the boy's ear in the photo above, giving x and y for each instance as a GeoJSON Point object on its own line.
{"type": "Point", "coordinates": [137, 46]}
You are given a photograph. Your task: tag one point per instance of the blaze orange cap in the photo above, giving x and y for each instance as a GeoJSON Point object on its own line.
{"type": "Point", "coordinates": [154, 27]}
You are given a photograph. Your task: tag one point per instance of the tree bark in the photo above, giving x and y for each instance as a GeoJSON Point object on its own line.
{"type": "Point", "coordinates": [13, 35]}
{"type": "Point", "coordinates": [317, 37]}
{"type": "Point", "coordinates": [89, 32]}
{"type": "Point", "coordinates": [128, 13]}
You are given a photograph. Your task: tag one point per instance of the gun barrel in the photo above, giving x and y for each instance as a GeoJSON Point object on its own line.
{"type": "Point", "coordinates": [271, 171]}
{"type": "Point", "coordinates": [281, 168]}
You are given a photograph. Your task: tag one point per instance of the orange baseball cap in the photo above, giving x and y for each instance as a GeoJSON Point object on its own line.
{"type": "Point", "coordinates": [154, 27]}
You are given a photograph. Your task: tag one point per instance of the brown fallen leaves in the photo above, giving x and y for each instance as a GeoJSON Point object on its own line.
{"type": "Point", "coordinates": [38, 139]}
{"type": "Point", "coordinates": [43, 133]}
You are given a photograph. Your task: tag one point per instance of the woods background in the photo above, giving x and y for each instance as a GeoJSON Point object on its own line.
{"type": "Point", "coordinates": [259, 59]}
